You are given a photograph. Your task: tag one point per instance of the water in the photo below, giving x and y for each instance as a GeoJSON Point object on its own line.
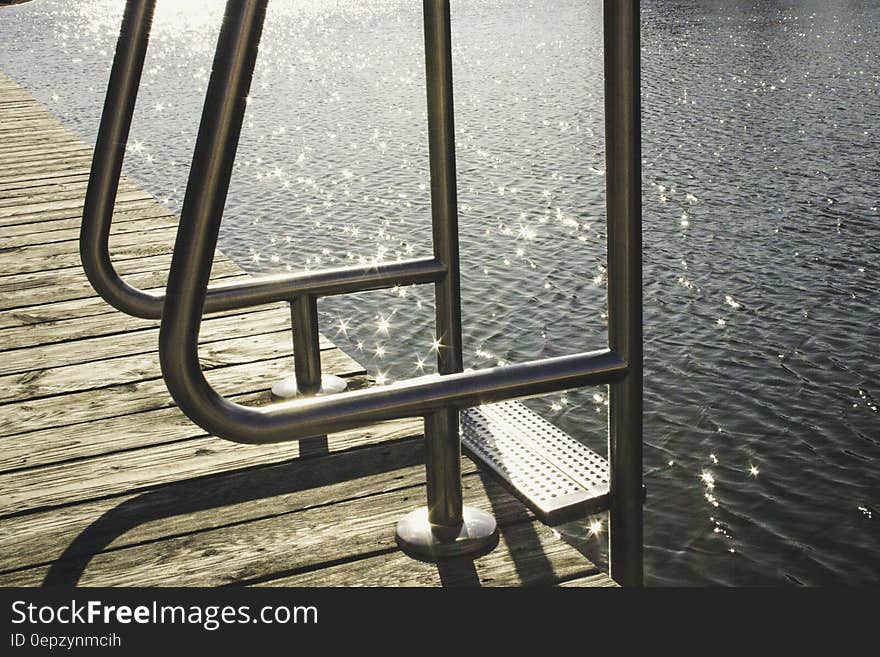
{"type": "Point", "coordinates": [760, 220]}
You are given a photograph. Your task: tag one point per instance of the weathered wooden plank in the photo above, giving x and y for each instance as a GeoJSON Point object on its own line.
{"type": "Point", "coordinates": [527, 554]}
{"type": "Point", "coordinates": [44, 287]}
{"type": "Point", "coordinates": [124, 399]}
{"type": "Point", "coordinates": [6, 139]}
{"type": "Point", "coordinates": [125, 472]}
{"type": "Point", "coordinates": [54, 190]}
{"type": "Point", "coordinates": [60, 255]}
{"type": "Point", "coordinates": [98, 437]}
{"type": "Point", "coordinates": [110, 435]}
{"type": "Point", "coordinates": [346, 528]}
{"type": "Point", "coordinates": [22, 124]}
{"type": "Point", "coordinates": [168, 221]}
{"type": "Point", "coordinates": [14, 106]}
{"type": "Point", "coordinates": [46, 164]}
{"type": "Point", "coordinates": [38, 190]}
{"type": "Point", "coordinates": [9, 149]}
{"type": "Point", "coordinates": [69, 319]}
{"type": "Point", "coordinates": [140, 211]}
{"type": "Point", "coordinates": [45, 185]}
{"type": "Point", "coordinates": [20, 121]}
{"type": "Point", "coordinates": [33, 106]}
{"type": "Point", "coordinates": [39, 119]}
{"type": "Point", "coordinates": [45, 160]}
{"type": "Point", "coordinates": [43, 136]}
{"type": "Point", "coordinates": [45, 175]}
{"type": "Point", "coordinates": [11, 188]}
{"type": "Point", "coordinates": [79, 377]}
{"type": "Point", "coordinates": [22, 100]}
{"type": "Point", "coordinates": [233, 324]}
{"type": "Point", "coordinates": [26, 124]}
{"type": "Point", "coordinates": [29, 173]}
{"type": "Point", "coordinates": [14, 112]}
{"type": "Point", "coordinates": [233, 497]}
{"type": "Point", "coordinates": [11, 156]}
{"type": "Point", "coordinates": [75, 212]}
{"type": "Point", "coordinates": [76, 203]}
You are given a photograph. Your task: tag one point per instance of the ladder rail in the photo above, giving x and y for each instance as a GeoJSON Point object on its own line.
{"type": "Point", "coordinates": [106, 170]}
{"type": "Point", "coordinates": [624, 219]}
{"type": "Point", "coordinates": [190, 269]}
{"type": "Point", "coordinates": [437, 398]}
{"type": "Point", "coordinates": [443, 442]}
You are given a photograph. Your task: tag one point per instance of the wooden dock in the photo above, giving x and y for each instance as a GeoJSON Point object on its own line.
{"type": "Point", "coordinates": [104, 482]}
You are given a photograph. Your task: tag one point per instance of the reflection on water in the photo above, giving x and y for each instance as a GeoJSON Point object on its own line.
{"type": "Point", "coordinates": [760, 208]}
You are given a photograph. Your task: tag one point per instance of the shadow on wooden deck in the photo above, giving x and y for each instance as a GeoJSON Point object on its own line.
{"type": "Point", "coordinates": [196, 495]}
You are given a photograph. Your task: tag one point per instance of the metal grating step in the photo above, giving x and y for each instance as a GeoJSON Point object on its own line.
{"type": "Point", "coordinates": [553, 474]}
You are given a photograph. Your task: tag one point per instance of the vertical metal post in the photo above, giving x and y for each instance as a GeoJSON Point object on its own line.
{"type": "Point", "coordinates": [623, 198]}
{"type": "Point", "coordinates": [307, 378]}
{"type": "Point", "coordinates": [441, 429]}
{"type": "Point", "coordinates": [125, 77]}
{"type": "Point", "coordinates": [443, 468]}
{"type": "Point", "coordinates": [306, 352]}
{"type": "Point", "coordinates": [445, 527]}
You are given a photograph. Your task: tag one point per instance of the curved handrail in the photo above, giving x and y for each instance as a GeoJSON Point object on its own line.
{"type": "Point", "coordinates": [125, 76]}
{"type": "Point", "coordinates": [437, 529]}
{"type": "Point", "coordinates": [103, 185]}
{"type": "Point", "coordinates": [187, 293]}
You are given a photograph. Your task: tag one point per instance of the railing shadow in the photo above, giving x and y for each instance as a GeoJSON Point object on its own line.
{"type": "Point", "coordinates": [516, 532]}
{"type": "Point", "coordinates": [519, 534]}
{"type": "Point", "coordinates": [516, 529]}
{"type": "Point", "coordinates": [214, 492]}
{"type": "Point", "coordinates": [459, 572]}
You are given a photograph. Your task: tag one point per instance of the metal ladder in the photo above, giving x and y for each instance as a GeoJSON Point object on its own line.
{"type": "Point", "coordinates": [556, 476]}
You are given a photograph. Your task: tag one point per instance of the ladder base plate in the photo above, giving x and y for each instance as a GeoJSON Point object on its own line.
{"type": "Point", "coordinates": [416, 536]}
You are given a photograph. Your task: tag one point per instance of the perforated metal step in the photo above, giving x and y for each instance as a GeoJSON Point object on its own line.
{"type": "Point", "coordinates": [553, 474]}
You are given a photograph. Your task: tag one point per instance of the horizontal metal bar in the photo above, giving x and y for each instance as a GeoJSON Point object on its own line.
{"type": "Point", "coordinates": [302, 418]}
{"type": "Point", "coordinates": [327, 282]}
{"type": "Point", "coordinates": [232, 295]}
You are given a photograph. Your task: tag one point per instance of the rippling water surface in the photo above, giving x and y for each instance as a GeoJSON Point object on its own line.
{"type": "Point", "coordinates": [761, 227]}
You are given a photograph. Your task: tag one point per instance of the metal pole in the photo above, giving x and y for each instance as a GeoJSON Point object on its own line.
{"type": "Point", "coordinates": [623, 198]}
{"type": "Point", "coordinates": [443, 468]}
{"type": "Point", "coordinates": [441, 429]}
{"type": "Point", "coordinates": [106, 169]}
{"type": "Point", "coordinates": [446, 527]}
{"type": "Point", "coordinates": [125, 76]}
{"type": "Point", "coordinates": [202, 212]}
{"type": "Point", "coordinates": [307, 379]}
{"type": "Point", "coordinates": [306, 352]}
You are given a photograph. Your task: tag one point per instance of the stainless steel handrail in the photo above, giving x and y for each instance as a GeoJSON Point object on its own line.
{"type": "Point", "coordinates": [445, 527]}
{"type": "Point", "coordinates": [116, 118]}
{"type": "Point", "coordinates": [623, 199]}
{"type": "Point", "coordinates": [300, 289]}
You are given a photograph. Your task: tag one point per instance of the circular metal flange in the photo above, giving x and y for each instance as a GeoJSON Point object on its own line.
{"type": "Point", "coordinates": [417, 537]}
{"type": "Point", "coordinates": [286, 388]}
